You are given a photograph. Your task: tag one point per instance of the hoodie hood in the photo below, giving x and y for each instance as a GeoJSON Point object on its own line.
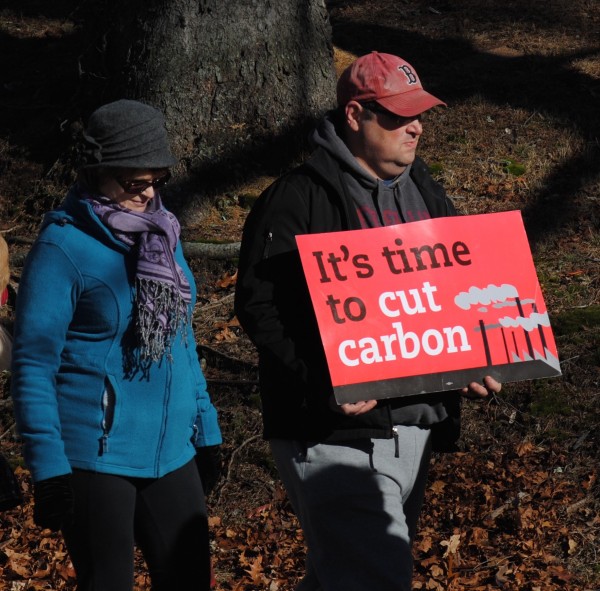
{"type": "Point", "coordinates": [325, 135]}
{"type": "Point", "coordinates": [378, 203]}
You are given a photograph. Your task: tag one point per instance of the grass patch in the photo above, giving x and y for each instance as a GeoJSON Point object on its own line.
{"type": "Point", "coordinates": [514, 168]}
{"type": "Point", "coordinates": [549, 402]}
{"type": "Point", "coordinates": [436, 168]}
{"type": "Point", "coordinates": [573, 323]}
{"type": "Point", "coordinates": [580, 328]}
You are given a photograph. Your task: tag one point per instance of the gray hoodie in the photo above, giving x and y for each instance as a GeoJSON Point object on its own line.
{"type": "Point", "coordinates": [384, 203]}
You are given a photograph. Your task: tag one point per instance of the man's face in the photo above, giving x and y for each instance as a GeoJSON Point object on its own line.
{"type": "Point", "coordinates": [384, 143]}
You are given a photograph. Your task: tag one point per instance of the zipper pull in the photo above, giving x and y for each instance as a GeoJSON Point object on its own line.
{"type": "Point", "coordinates": [268, 242]}
{"type": "Point", "coordinates": [104, 444]}
{"type": "Point", "coordinates": [396, 442]}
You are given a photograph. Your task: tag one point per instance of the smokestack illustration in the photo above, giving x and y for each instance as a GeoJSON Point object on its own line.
{"type": "Point", "coordinates": [485, 296]}
{"type": "Point", "coordinates": [505, 344]}
{"type": "Point", "coordinates": [502, 296]}
{"type": "Point", "coordinates": [486, 345]}
{"type": "Point", "coordinates": [527, 338]}
{"type": "Point", "coordinates": [540, 330]}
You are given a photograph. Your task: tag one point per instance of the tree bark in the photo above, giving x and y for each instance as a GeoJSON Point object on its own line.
{"type": "Point", "coordinates": [231, 76]}
{"type": "Point", "coordinates": [226, 251]}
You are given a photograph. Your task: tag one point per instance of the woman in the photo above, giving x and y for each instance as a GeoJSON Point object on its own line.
{"type": "Point", "coordinates": [109, 396]}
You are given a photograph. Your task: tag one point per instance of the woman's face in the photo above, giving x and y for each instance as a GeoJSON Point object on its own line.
{"type": "Point", "coordinates": [132, 188]}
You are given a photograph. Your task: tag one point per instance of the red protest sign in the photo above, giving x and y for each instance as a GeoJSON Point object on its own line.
{"type": "Point", "coordinates": [428, 306]}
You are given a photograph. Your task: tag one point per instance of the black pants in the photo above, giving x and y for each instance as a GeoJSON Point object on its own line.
{"type": "Point", "coordinates": [165, 517]}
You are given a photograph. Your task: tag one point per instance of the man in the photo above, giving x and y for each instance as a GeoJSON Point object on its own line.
{"type": "Point", "coordinates": [354, 473]}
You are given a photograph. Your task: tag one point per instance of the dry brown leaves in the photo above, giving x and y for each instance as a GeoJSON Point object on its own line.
{"type": "Point", "coordinates": [513, 519]}
{"type": "Point", "coordinates": [267, 553]}
{"type": "Point", "coordinates": [509, 520]}
{"type": "Point", "coordinates": [31, 559]}
{"type": "Point", "coordinates": [505, 520]}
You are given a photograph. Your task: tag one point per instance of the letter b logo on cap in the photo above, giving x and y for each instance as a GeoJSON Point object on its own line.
{"type": "Point", "coordinates": [410, 75]}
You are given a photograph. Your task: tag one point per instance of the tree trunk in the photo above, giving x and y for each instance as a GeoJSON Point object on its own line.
{"type": "Point", "coordinates": [238, 80]}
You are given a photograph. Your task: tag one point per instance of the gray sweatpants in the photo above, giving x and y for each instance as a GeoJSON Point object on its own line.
{"type": "Point", "coordinates": [358, 506]}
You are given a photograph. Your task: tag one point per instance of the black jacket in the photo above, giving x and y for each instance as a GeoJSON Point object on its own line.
{"type": "Point", "coordinates": [273, 304]}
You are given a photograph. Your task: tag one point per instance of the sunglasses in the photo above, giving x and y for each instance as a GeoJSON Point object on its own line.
{"type": "Point", "coordinates": [135, 187]}
{"type": "Point", "coordinates": [398, 120]}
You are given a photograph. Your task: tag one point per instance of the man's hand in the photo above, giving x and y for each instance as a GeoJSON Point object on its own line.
{"type": "Point", "coordinates": [476, 391]}
{"type": "Point", "coordinates": [353, 408]}
{"type": "Point", "coordinates": [473, 391]}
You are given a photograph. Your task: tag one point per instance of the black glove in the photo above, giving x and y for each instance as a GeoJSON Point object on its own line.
{"type": "Point", "coordinates": [10, 490]}
{"type": "Point", "coordinates": [53, 502]}
{"type": "Point", "coordinates": [208, 462]}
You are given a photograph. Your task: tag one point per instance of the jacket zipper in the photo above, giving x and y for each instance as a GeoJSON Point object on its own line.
{"type": "Point", "coordinates": [268, 242]}
{"type": "Point", "coordinates": [108, 407]}
{"type": "Point", "coordinates": [165, 420]}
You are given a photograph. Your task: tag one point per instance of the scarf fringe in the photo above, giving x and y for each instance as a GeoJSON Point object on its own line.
{"type": "Point", "coordinates": [160, 312]}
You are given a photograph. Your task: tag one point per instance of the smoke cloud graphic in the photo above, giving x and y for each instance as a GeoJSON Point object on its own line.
{"type": "Point", "coordinates": [528, 324]}
{"type": "Point", "coordinates": [477, 296]}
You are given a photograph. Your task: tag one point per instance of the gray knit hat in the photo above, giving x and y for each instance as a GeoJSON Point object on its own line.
{"type": "Point", "coordinates": [127, 134]}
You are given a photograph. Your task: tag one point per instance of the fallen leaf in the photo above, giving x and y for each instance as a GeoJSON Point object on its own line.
{"type": "Point", "coordinates": [256, 570]}
{"type": "Point", "coordinates": [451, 545]}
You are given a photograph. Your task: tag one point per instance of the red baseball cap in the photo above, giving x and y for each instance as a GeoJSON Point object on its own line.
{"type": "Point", "coordinates": [388, 80]}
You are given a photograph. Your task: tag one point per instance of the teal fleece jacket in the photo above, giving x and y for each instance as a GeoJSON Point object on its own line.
{"type": "Point", "coordinates": [80, 401]}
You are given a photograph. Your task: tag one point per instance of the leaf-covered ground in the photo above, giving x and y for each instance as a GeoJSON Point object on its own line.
{"type": "Point", "coordinates": [518, 507]}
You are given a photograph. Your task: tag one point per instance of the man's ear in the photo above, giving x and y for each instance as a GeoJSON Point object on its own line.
{"type": "Point", "coordinates": [353, 113]}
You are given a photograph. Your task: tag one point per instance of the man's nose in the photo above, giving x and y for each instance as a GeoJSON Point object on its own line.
{"type": "Point", "coordinates": [415, 127]}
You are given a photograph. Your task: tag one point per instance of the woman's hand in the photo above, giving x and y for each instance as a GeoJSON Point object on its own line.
{"type": "Point", "coordinates": [208, 462]}
{"type": "Point", "coordinates": [53, 502]}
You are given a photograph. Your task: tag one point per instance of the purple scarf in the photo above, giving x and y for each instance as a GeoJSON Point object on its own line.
{"type": "Point", "coordinates": [162, 289]}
